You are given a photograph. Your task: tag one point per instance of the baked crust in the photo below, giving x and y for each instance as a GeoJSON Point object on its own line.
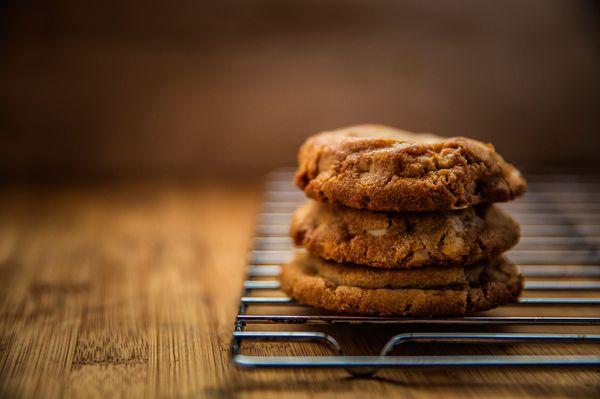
{"type": "Point", "coordinates": [421, 278]}
{"type": "Point", "coordinates": [384, 169]}
{"type": "Point", "coordinates": [403, 240]}
{"type": "Point", "coordinates": [499, 283]}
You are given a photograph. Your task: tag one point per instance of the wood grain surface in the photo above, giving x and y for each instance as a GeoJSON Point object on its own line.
{"type": "Point", "coordinates": [131, 291]}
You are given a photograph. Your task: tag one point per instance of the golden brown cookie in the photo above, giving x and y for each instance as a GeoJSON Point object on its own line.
{"type": "Point", "coordinates": [422, 277]}
{"type": "Point", "coordinates": [498, 283]}
{"type": "Point", "coordinates": [402, 240]}
{"type": "Point", "coordinates": [385, 169]}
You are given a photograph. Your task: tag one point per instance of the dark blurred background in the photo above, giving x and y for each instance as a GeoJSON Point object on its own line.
{"type": "Point", "coordinates": [231, 88]}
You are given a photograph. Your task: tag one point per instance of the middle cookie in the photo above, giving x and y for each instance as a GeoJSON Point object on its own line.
{"type": "Point", "coordinates": [403, 240]}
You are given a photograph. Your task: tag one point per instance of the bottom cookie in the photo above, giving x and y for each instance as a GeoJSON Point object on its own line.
{"type": "Point", "coordinates": [303, 279]}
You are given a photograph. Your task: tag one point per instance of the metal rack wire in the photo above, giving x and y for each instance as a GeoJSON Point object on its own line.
{"type": "Point", "coordinates": [559, 254]}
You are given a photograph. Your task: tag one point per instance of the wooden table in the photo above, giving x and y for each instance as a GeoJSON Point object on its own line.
{"type": "Point", "coordinates": [130, 291]}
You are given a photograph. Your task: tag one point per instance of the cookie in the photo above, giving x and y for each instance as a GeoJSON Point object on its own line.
{"type": "Point", "coordinates": [403, 239]}
{"type": "Point", "coordinates": [498, 283]}
{"type": "Point", "coordinates": [385, 169]}
{"type": "Point", "coordinates": [422, 278]}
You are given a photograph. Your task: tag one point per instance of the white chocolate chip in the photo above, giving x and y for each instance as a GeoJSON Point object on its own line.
{"type": "Point", "coordinates": [377, 232]}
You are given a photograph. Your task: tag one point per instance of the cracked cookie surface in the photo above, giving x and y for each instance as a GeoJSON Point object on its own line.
{"type": "Point", "coordinates": [403, 239]}
{"type": "Point", "coordinates": [384, 169]}
{"type": "Point", "coordinates": [496, 284]}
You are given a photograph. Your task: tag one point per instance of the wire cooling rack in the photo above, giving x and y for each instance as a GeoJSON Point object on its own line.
{"type": "Point", "coordinates": [558, 254]}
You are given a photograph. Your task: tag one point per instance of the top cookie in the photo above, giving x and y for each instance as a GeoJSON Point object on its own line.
{"type": "Point", "coordinates": [384, 169]}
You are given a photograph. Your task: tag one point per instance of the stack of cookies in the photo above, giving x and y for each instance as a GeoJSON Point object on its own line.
{"type": "Point", "coordinates": [402, 224]}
